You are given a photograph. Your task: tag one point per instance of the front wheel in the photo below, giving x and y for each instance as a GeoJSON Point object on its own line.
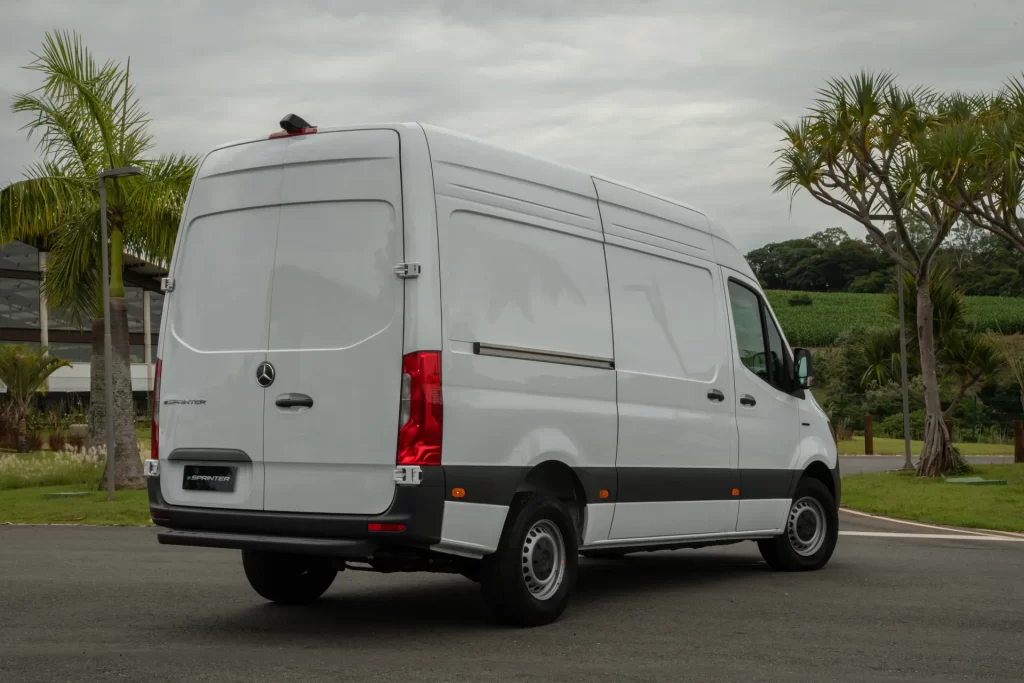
{"type": "Point", "coordinates": [812, 528]}
{"type": "Point", "coordinates": [528, 580]}
{"type": "Point", "coordinates": [288, 579]}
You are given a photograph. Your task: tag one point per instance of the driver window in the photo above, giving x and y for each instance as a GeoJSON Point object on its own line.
{"type": "Point", "coordinates": [746, 317]}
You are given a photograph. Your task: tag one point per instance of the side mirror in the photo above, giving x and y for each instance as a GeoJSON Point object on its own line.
{"type": "Point", "coordinates": [803, 368]}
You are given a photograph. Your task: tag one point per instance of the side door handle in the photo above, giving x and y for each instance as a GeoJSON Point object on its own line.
{"type": "Point", "coordinates": [293, 401]}
{"type": "Point", "coordinates": [716, 396]}
{"type": "Point", "coordinates": [748, 400]}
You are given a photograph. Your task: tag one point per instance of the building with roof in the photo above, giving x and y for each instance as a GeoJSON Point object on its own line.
{"type": "Point", "coordinates": [25, 317]}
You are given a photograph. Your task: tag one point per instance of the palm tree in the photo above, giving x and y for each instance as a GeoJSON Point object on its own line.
{"type": "Point", "coordinates": [87, 119]}
{"type": "Point", "coordinates": [859, 151]}
{"type": "Point", "coordinates": [24, 371]}
{"type": "Point", "coordinates": [965, 357]}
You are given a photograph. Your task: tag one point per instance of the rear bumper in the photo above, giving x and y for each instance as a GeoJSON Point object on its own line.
{"type": "Point", "coordinates": [420, 508]}
{"type": "Point", "coordinates": [281, 544]}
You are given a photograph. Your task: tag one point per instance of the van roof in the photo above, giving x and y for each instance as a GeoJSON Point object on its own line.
{"type": "Point", "coordinates": [433, 131]}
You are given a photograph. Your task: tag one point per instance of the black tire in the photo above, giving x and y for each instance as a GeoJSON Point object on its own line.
{"type": "Point", "coordinates": [798, 548]}
{"type": "Point", "coordinates": [288, 579]}
{"type": "Point", "coordinates": [528, 555]}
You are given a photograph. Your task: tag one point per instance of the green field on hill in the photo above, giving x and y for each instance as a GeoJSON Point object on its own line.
{"type": "Point", "coordinates": [833, 313]}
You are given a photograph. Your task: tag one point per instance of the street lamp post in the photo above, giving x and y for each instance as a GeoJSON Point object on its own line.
{"type": "Point", "coordinates": [908, 464]}
{"type": "Point", "coordinates": [108, 352]}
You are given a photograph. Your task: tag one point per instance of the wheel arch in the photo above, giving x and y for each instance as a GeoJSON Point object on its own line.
{"type": "Point", "coordinates": [820, 471]}
{"type": "Point", "coordinates": [557, 479]}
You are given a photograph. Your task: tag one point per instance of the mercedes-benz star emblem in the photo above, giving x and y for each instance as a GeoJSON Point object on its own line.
{"type": "Point", "coordinates": [265, 374]}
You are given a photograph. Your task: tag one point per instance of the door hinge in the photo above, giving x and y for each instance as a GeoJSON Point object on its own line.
{"type": "Point", "coordinates": [408, 475]}
{"type": "Point", "coordinates": [407, 271]}
{"type": "Point", "coordinates": [167, 284]}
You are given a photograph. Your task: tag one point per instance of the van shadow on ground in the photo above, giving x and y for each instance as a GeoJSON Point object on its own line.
{"type": "Point", "coordinates": [454, 604]}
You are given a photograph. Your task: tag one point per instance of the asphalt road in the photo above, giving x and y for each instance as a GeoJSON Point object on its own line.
{"type": "Point", "coordinates": [109, 604]}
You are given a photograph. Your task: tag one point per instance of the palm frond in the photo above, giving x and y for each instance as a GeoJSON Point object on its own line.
{"type": "Point", "coordinates": [73, 281]}
{"type": "Point", "coordinates": [43, 202]}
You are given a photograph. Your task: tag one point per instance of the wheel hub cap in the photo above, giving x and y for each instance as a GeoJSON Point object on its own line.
{"type": "Point", "coordinates": [806, 527]}
{"type": "Point", "coordinates": [543, 559]}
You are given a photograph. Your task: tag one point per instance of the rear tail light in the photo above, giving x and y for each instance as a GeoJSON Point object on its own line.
{"type": "Point", "coordinates": [421, 417]}
{"type": "Point", "coordinates": [378, 526]}
{"type": "Point", "coordinates": [154, 434]}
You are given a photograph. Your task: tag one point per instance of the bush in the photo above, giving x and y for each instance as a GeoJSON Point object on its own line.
{"type": "Point", "coordinates": [801, 300]}
{"type": "Point", "coordinates": [58, 441]}
{"type": "Point", "coordinates": [892, 426]}
{"type": "Point", "coordinates": [35, 440]}
{"type": "Point", "coordinates": [77, 442]}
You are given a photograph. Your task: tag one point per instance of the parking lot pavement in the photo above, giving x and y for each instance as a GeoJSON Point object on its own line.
{"type": "Point", "coordinates": [861, 464]}
{"type": "Point", "coordinates": [99, 604]}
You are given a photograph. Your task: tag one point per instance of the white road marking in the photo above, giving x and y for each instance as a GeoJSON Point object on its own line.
{"type": "Point", "coordinates": [955, 537]}
{"type": "Point", "coordinates": [925, 526]}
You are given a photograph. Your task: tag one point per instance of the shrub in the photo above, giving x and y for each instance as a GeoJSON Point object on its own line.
{"type": "Point", "coordinates": [58, 441]}
{"type": "Point", "coordinates": [34, 440]}
{"type": "Point", "coordinates": [77, 442]}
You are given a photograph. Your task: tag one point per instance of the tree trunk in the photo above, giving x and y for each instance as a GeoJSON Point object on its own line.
{"type": "Point", "coordinates": [938, 457]}
{"type": "Point", "coordinates": [97, 385]}
{"type": "Point", "coordinates": [22, 433]}
{"type": "Point", "coordinates": [127, 464]}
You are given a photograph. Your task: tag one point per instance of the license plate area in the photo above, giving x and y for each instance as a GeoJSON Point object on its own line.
{"type": "Point", "coordinates": [218, 478]}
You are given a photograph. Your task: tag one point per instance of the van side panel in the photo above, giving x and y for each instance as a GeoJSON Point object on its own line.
{"type": "Point", "coordinates": [677, 429]}
{"type": "Point", "coordinates": [527, 329]}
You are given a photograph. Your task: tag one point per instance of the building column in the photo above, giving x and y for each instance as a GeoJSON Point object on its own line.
{"type": "Point", "coordinates": [147, 338]}
{"type": "Point", "coordinates": [44, 318]}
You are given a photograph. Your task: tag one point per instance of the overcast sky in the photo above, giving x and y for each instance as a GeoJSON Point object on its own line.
{"type": "Point", "coordinates": [675, 97]}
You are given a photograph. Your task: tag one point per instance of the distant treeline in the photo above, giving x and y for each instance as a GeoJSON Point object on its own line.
{"type": "Point", "coordinates": [831, 261]}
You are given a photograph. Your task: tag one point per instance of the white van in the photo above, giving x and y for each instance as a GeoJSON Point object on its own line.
{"type": "Point", "coordinates": [398, 347]}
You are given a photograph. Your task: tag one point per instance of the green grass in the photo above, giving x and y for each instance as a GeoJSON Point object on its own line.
{"type": "Point", "coordinates": [899, 494]}
{"type": "Point", "coordinates": [28, 506]}
{"type": "Point", "coordinates": [833, 313]}
{"type": "Point", "coordinates": [884, 446]}
{"type": "Point", "coordinates": [45, 468]}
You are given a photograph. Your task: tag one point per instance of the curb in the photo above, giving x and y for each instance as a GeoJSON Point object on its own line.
{"type": "Point", "coordinates": [962, 530]}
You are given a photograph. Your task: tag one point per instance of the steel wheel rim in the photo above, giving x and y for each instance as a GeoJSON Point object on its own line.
{"type": "Point", "coordinates": [807, 526]}
{"type": "Point", "coordinates": [543, 559]}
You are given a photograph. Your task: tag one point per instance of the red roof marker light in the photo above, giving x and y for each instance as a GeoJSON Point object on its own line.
{"type": "Point", "coordinates": [292, 125]}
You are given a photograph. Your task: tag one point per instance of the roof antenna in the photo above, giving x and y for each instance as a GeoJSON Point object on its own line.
{"type": "Point", "coordinates": [293, 123]}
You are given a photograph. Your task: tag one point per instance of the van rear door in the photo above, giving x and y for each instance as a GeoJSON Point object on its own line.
{"type": "Point", "coordinates": [216, 330]}
{"type": "Point", "coordinates": [330, 420]}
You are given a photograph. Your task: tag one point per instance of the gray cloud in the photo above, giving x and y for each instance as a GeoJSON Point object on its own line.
{"type": "Point", "coordinates": [677, 97]}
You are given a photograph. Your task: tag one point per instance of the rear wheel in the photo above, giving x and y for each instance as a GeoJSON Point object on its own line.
{"type": "Point", "coordinates": [812, 528]}
{"type": "Point", "coordinates": [288, 579]}
{"type": "Point", "coordinates": [528, 580]}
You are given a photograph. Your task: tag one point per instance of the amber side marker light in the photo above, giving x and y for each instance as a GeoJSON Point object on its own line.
{"type": "Point", "coordinates": [458, 492]}
{"type": "Point", "coordinates": [735, 492]}
{"type": "Point", "coordinates": [602, 494]}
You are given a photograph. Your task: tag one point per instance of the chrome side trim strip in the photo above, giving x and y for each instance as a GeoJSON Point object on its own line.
{"type": "Point", "coordinates": [482, 349]}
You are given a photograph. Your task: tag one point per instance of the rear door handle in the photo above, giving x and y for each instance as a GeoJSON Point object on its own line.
{"type": "Point", "coordinates": [293, 401]}
{"type": "Point", "coordinates": [716, 396]}
{"type": "Point", "coordinates": [748, 400]}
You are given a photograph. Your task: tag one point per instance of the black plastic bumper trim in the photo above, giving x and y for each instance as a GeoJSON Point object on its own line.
{"type": "Point", "coordinates": [280, 544]}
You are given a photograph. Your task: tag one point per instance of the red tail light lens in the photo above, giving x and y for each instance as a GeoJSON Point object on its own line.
{"type": "Point", "coordinates": [376, 526]}
{"type": "Point", "coordinates": [154, 434]}
{"type": "Point", "coordinates": [422, 410]}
